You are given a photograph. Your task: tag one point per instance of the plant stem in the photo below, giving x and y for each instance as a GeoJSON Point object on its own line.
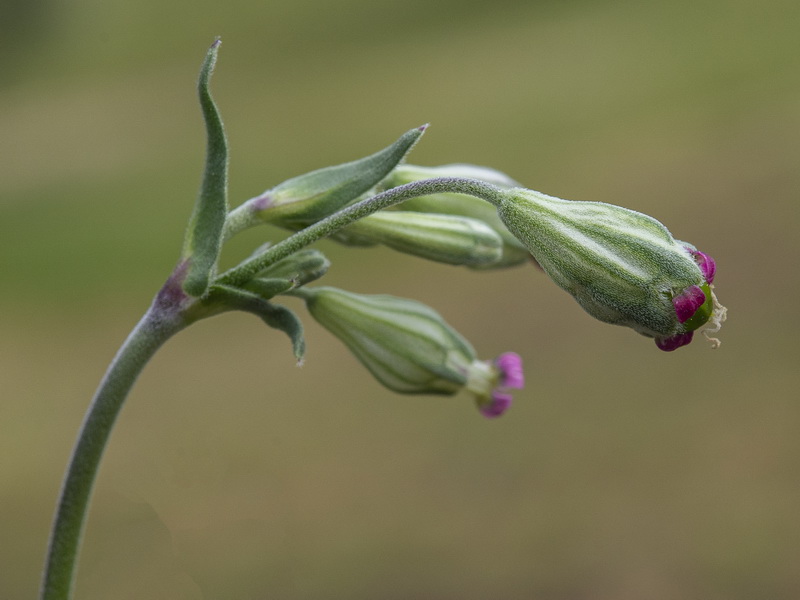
{"type": "Point", "coordinates": [239, 219]}
{"type": "Point", "coordinates": [243, 272]}
{"type": "Point", "coordinates": [171, 311]}
{"type": "Point", "coordinates": [159, 323]}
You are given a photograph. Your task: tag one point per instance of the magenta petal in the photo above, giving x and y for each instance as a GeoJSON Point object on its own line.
{"type": "Point", "coordinates": [511, 377]}
{"type": "Point", "coordinates": [499, 404]}
{"type": "Point", "coordinates": [674, 342]}
{"type": "Point", "coordinates": [687, 302]}
{"type": "Point", "coordinates": [708, 265]}
{"type": "Point", "coordinates": [511, 374]}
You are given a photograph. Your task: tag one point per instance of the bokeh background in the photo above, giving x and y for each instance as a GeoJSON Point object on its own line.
{"type": "Point", "coordinates": [621, 473]}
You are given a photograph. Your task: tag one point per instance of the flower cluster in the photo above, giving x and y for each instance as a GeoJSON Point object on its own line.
{"type": "Point", "coordinates": [621, 266]}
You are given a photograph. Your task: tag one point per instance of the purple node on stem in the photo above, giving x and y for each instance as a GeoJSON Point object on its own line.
{"type": "Point", "coordinates": [172, 294]}
{"type": "Point", "coordinates": [262, 202]}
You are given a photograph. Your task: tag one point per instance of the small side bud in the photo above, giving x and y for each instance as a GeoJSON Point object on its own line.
{"type": "Point", "coordinates": [410, 349]}
{"type": "Point", "coordinates": [442, 238]}
{"type": "Point", "coordinates": [623, 267]}
{"type": "Point", "coordinates": [302, 267]}
{"type": "Point", "coordinates": [513, 252]}
{"type": "Point", "coordinates": [308, 198]}
{"type": "Point", "coordinates": [407, 173]}
{"type": "Point", "coordinates": [288, 274]}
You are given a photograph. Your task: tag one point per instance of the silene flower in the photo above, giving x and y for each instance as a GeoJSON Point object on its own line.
{"type": "Point", "coordinates": [623, 267]}
{"type": "Point", "coordinates": [410, 349]}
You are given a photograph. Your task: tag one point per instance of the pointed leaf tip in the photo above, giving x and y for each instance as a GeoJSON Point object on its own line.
{"type": "Point", "coordinates": [204, 233]}
{"type": "Point", "coordinates": [315, 195]}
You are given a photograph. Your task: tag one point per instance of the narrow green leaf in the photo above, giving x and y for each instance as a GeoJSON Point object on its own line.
{"type": "Point", "coordinates": [204, 233]}
{"type": "Point", "coordinates": [283, 319]}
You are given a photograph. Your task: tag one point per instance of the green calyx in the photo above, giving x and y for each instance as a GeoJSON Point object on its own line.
{"type": "Point", "coordinates": [406, 345]}
{"type": "Point", "coordinates": [617, 263]}
{"type": "Point", "coordinates": [463, 205]}
{"type": "Point", "coordinates": [442, 238]}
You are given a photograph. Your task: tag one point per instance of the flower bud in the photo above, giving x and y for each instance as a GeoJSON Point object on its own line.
{"type": "Point", "coordinates": [289, 273]}
{"type": "Point", "coordinates": [406, 173]}
{"type": "Point", "coordinates": [410, 349]}
{"type": "Point", "coordinates": [304, 266]}
{"type": "Point", "coordinates": [514, 253]}
{"type": "Point", "coordinates": [623, 267]}
{"type": "Point", "coordinates": [308, 198]}
{"type": "Point", "coordinates": [443, 238]}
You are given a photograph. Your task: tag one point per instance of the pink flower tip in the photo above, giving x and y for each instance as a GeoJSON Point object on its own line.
{"type": "Point", "coordinates": [687, 302]}
{"type": "Point", "coordinates": [511, 373]}
{"type": "Point", "coordinates": [499, 404]}
{"type": "Point", "coordinates": [511, 377]}
{"type": "Point", "coordinates": [708, 266]}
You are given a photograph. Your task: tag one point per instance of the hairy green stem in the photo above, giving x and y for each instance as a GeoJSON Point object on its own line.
{"type": "Point", "coordinates": [239, 219]}
{"type": "Point", "coordinates": [242, 273]}
{"type": "Point", "coordinates": [171, 311]}
{"type": "Point", "coordinates": [159, 323]}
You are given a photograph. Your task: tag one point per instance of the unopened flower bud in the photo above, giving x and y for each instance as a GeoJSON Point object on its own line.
{"type": "Point", "coordinates": [304, 266]}
{"type": "Point", "coordinates": [289, 273]}
{"type": "Point", "coordinates": [406, 173]}
{"type": "Point", "coordinates": [410, 349]}
{"type": "Point", "coordinates": [308, 198]}
{"type": "Point", "coordinates": [514, 253]}
{"type": "Point", "coordinates": [442, 238]}
{"type": "Point", "coordinates": [623, 267]}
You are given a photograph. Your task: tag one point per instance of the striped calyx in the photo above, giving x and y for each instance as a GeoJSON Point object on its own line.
{"type": "Point", "coordinates": [443, 238]}
{"type": "Point", "coordinates": [410, 349]}
{"type": "Point", "coordinates": [623, 267]}
{"type": "Point", "coordinates": [512, 251]}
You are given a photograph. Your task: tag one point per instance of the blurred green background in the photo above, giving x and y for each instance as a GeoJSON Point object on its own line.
{"type": "Point", "coordinates": [621, 473]}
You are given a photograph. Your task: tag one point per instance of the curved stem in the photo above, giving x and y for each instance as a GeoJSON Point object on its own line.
{"type": "Point", "coordinates": [157, 325]}
{"type": "Point", "coordinates": [240, 274]}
